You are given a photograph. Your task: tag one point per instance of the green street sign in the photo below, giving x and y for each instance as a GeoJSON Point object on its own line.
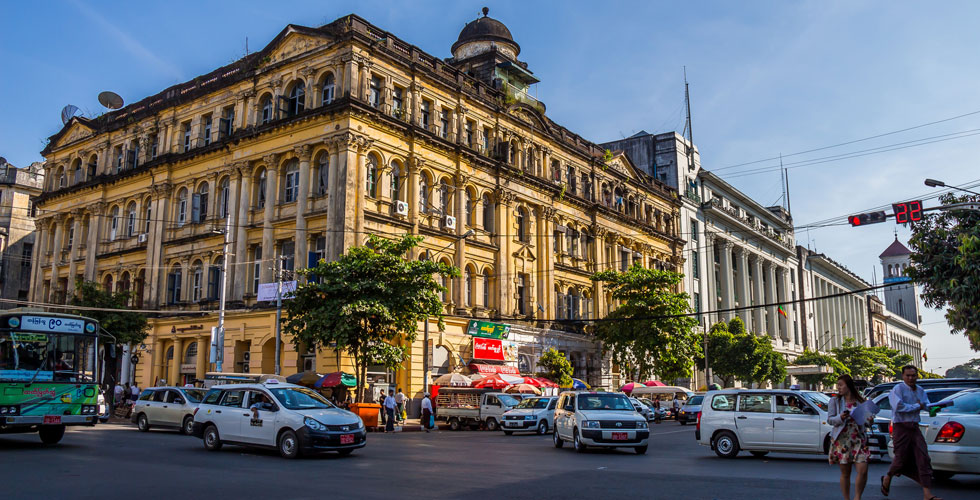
{"type": "Point", "coordinates": [488, 330]}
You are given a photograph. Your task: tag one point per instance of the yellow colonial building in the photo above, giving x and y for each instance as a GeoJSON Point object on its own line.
{"type": "Point", "coordinates": [328, 135]}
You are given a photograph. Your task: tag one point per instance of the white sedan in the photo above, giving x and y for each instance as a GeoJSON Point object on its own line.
{"type": "Point", "coordinates": [953, 435]}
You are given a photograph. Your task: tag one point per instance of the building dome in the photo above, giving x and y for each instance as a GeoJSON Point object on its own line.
{"type": "Point", "coordinates": [479, 35]}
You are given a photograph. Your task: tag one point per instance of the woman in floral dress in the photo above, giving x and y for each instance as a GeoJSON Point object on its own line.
{"type": "Point", "coordinates": [849, 442]}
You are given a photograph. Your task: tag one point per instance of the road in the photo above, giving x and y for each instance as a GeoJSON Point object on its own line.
{"type": "Point", "coordinates": [112, 459]}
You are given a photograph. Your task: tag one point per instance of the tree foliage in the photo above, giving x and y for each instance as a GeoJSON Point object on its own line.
{"type": "Point", "coordinates": [970, 369]}
{"type": "Point", "coordinates": [556, 367]}
{"type": "Point", "coordinates": [368, 303]}
{"type": "Point", "coordinates": [734, 353]}
{"type": "Point", "coordinates": [820, 359]}
{"type": "Point", "coordinates": [648, 333]}
{"type": "Point", "coordinates": [126, 327]}
{"type": "Point", "coordinates": [946, 262]}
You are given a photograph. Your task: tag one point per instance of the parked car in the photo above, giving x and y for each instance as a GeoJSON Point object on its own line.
{"type": "Point", "coordinates": [600, 419]}
{"type": "Point", "coordinates": [953, 435]}
{"type": "Point", "coordinates": [879, 434]}
{"type": "Point", "coordinates": [642, 408]}
{"type": "Point", "coordinates": [925, 383]}
{"type": "Point", "coordinates": [536, 414]}
{"type": "Point", "coordinates": [461, 407]}
{"type": "Point", "coordinates": [691, 410]}
{"type": "Point", "coordinates": [760, 421]}
{"type": "Point", "coordinates": [171, 407]}
{"type": "Point", "coordinates": [290, 418]}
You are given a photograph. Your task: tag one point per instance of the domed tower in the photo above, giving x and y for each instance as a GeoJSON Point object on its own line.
{"type": "Point", "coordinates": [901, 299]}
{"type": "Point", "coordinates": [486, 50]}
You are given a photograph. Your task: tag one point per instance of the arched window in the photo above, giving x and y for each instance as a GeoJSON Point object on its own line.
{"type": "Point", "coordinates": [487, 213]}
{"type": "Point", "coordinates": [470, 205]}
{"type": "Point", "coordinates": [487, 278]}
{"type": "Point", "coordinates": [107, 283]}
{"type": "Point", "coordinates": [371, 180]}
{"type": "Point", "coordinates": [131, 219]}
{"type": "Point", "coordinates": [571, 300]}
{"type": "Point", "coordinates": [200, 207]}
{"type": "Point", "coordinates": [515, 150]}
{"type": "Point", "coordinates": [423, 193]}
{"type": "Point", "coordinates": [61, 178]}
{"type": "Point", "coordinates": [396, 174]}
{"type": "Point", "coordinates": [322, 173]}
{"type": "Point", "coordinates": [260, 190]}
{"type": "Point", "coordinates": [215, 277]}
{"type": "Point", "coordinates": [266, 106]}
{"type": "Point", "coordinates": [297, 99]}
{"type": "Point", "coordinates": [224, 191]}
{"type": "Point", "coordinates": [70, 225]}
{"type": "Point", "coordinates": [469, 287]}
{"type": "Point", "coordinates": [147, 215]}
{"type": "Point", "coordinates": [181, 206]}
{"type": "Point", "coordinates": [123, 285]}
{"type": "Point", "coordinates": [93, 165]}
{"type": "Point", "coordinates": [522, 224]}
{"type": "Point", "coordinates": [77, 171]}
{"type": "Point", "coordinates": [197, 280]}
{"type": "Point", "coordinates": [174, 280]}
{"type": "Point", "coordinates": [444, 197]}
{"type": "Point", "coordinates": [113, 223]}
{"type": "Point", "coordinates": [328, 90]}
{"type": "Point", "coordinates": [291, 184]}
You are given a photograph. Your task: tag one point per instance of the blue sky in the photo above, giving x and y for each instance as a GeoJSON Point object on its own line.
{"type": "Point", "coordinates": [767, 77]}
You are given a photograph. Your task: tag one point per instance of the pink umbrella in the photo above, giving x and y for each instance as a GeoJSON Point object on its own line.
{"type": "Point", "coordinates": [628, 387]}
{"type": "Point", "coordinates": [654, 383]}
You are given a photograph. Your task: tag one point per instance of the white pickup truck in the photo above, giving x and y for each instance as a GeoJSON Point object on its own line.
{"type": "Point", "coordinates": [470, 407]}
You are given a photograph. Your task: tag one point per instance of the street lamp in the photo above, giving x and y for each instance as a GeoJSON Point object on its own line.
{"type": "Point", "coordinates": [935, 183]}
{"type": "Point", "coordinates": [425, 330]}
{"type": "Point", "coordinates": [220, 333]}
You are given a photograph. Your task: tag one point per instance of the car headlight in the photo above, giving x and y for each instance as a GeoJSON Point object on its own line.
{"type": "Point", "coordinates": [591, 424]}
{"type": "Point", "coordinates": [530, 417]}
{"type": "Point", "coordinates": [314, 424]}
{"type": "Point", "coordinates": [641, 425]}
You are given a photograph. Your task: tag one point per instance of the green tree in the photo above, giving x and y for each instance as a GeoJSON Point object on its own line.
{"type": "Point", "coordinates": [556, 367]}
{"type": "Point", "coordinates": [861, 362]}
{"type": "Point", "coordinates": [816, 358]}
{"type": "Point", "coordinates": [126, 327]}
{"type": "Point", "coordinates": [893, 360]}
{"type": "Point", "coordinates": [734, 354]}
{"type": "Point", "coordinates": [736, 326]}
{"type": "Point", "coordinates": [946, 262]}
{"type": "Point", "coordinates": [368, 303]}
{"type": "Point", "coordinates": [970, 369]}
{"type": "Point", "coordinates": [650, 332]}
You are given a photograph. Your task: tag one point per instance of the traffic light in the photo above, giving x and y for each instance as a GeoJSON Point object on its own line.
{"type": "Point", "coordinates": [908, 211]}
{"type": "Point", "coordinates": [868, 218]}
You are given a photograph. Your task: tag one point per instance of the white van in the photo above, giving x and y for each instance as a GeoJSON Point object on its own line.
{"type": "Point", "coordinates": [760, 421]}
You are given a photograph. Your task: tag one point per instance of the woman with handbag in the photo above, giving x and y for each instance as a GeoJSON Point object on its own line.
{"type": "Point", "coordinates": [849, 442]}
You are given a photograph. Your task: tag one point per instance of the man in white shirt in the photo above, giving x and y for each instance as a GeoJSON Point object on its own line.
{"type": "Point", "coordinates": [390, 406]}
{"type": "Point", "coordinates": [118, 394]}
{"type": "Point", "coordinates": [134, 392]}
{"type": "Point", "coordinates": [911, 452]}
{"type": "Point", "coordinates": [426, 412]}
{"type": "Point", "coordinates": [400, 400]}
{"type": "Point", "coordinates": [677, 406]}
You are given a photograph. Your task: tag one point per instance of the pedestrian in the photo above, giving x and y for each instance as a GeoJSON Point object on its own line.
{"type": "Point", "coordinates": [400, 399]}
{"type": "Point", "coordinates": [676, 405]}
{"type": "Point", "coordinates": [850, 441]}
{"type": "Point", "coordinates": [426, 412]}
{"type": "Point", "coordinates": [390, 406]}
{"type": "Point", "coordinates": [134, 391]}
{"type": "Point", "coordinates": [911, 454]}
{"type": "Point", "coordinates": [118, 395]}
{"type": "Point", "coordinates": [656, 411]}
{"type": "Point", "coordinates": [384, 409]}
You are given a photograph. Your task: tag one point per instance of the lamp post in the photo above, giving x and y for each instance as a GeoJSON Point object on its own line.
{"type": "Point", "coordinates": [220, 347]}
{"type": "Point", "coordinates": [425, 329]}
{"type": "Point", "coordinates": [935, 183]}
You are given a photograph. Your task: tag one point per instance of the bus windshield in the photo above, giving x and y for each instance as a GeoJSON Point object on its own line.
{"type": "Point", "coordinates": [46, 357]}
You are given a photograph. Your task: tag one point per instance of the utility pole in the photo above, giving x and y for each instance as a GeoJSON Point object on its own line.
{"type": "Point", "coordinates": [278, 313]}
{"type": "Point", "coordinates": [220, 347]}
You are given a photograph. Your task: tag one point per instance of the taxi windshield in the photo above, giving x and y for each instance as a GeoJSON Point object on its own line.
{"type": "Point", "coordinates": [301, 398]}
{"type": "Point", "coordinates": [536, 403]}
{"type": "Point", "coordinates": [604, 402]}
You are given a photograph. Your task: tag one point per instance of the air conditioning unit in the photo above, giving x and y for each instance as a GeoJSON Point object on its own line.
{"type": "Point", "coordinates": [449, 222]}
{"type": "Point", "coordinates": [141, 238]}
{"type": "Point", "coordinates": [246, 356]}
{"type": "Point", "coordinates": [401, 208]}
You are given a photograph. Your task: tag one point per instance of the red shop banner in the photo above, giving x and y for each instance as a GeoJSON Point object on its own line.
{"type": "Point", "coordinates": [489, 349]}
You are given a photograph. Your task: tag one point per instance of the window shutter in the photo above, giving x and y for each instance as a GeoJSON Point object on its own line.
{"type": "Point", "coordinates": [196, 208]}
{"type": "Point", "coordinates": [170, 288]}
{"type": "Point", "coordinates": [214, 277]}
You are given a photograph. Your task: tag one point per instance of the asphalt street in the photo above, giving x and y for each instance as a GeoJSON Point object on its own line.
{"type": "Point", "coordinates": [117, 460]}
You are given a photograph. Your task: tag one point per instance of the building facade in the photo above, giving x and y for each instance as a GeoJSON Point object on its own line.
{"type": "Point", "coordinates": [307, 147]}
{"type": "Point", "coordinates": [18, 189]}
{"type": "Point", "coordinates": [835, 305]}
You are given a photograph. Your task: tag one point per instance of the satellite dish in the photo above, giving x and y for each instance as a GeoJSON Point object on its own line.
{"type": "Point", "coordinates": [68, 112]}
{"type": "Point", "coordinates": [110, 100]}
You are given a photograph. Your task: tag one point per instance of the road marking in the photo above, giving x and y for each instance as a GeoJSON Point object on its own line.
{"type": "Point", "coordinates": [601, 468]}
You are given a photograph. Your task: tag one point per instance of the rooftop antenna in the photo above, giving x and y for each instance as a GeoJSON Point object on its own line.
{"type": "Point", "coordinates": [688, 126]}
{"type": "Point", "coordinates": [110, 100]}
{"type": "Point", "coordinates": [68, 112]}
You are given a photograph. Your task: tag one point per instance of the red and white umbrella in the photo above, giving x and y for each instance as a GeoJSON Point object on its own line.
{"type": "Point", "coordinates": [497, 381]}
{"type": "Point", "coordinates": [523, 389]}
{"type": "Point", "coordinates": [539, 382]}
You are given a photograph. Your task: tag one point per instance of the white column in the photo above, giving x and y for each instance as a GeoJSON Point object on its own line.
{"type": "Point", "coordinates": [725, 275]}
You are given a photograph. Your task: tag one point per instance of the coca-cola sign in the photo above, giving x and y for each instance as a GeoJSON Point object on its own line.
{"type": "Point", "coordinates": [489, 349]}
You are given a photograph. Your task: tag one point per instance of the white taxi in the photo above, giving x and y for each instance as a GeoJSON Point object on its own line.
{"type": "Point", "coordinates": [291, 418]}
{"type": "Point", "coordinates": [600, 419]}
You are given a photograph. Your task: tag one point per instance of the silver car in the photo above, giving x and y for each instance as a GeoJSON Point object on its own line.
{"type": "Point", "coordinates": [879, 433]}
{"type": "Point", "coordinates": [171, 407]}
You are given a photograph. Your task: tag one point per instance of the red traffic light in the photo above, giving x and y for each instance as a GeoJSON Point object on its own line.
{"type": "Point", "coordinates": [868, 218]}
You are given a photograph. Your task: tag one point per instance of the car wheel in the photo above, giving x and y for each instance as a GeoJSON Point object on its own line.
{"type": "Point", "coordinates": [726, 445]}
{"type": "Point", "coordinates": [142, 423]}
{"type": "Point", "coordinates": [942, 475]}
{"type": "Point", "coordinates": [454, 424]}
{"type": "Point", "coordinates": [51, 434]}
{"type": "Point", "coordinates": [345, 452]}
{"type": "Point", "coordinates": [683, 422]}
{"type": "Point", "coordinates": [212, 441]}
{"type": "Point", "coordinates": [492, 424]}
{"type": "Point", "coordinates": [577, 443]}
{"type": "Point", "coordinates": [543, 427]}
{"type": "Point", "coordinates": [558, 441]}
{"type": "Point", "coordinates": [759, 454]}
{"type": "Point", "coordinates": [641, 450]}
{"type": "Point", "coordinates": [288, 444]}
{"type": "Point", "coordinates": [508, 433]}
{"type": "Point", "coordinates": [187, 428]}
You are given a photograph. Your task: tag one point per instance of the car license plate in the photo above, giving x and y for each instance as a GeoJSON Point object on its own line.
{"type": "Point", "coordinates": [52, 419]}
{"type": "Point", "coordinates": [619, 436]}
{"type": "Point", "coordinates": [346, 439]}
{"type": "Point", "coordinates": [511, 423]}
